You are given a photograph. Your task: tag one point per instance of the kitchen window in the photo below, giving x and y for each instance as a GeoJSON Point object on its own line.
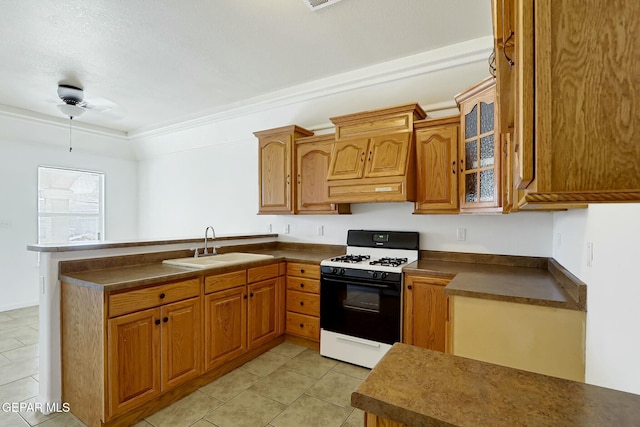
{"type": "Point", "coordinates": [70, 205]}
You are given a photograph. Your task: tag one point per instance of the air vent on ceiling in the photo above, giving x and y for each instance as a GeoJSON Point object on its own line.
{"type": "Point", "coordinates": [319, 4]}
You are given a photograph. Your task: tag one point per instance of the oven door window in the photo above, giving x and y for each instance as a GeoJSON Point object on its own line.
{"type": "Point", "coordinates": [356, 309]}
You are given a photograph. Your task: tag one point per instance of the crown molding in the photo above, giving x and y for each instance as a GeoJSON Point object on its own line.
{"type": "Point", "coordinates": [423, 63]}
{"type": "Point", "coordinates": [32, 116]}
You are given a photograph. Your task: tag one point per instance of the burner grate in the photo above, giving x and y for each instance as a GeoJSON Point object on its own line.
{"type": "Point", "coordinates": [389, 262]}
{"type": "Point", "coordinates": [353, 259]}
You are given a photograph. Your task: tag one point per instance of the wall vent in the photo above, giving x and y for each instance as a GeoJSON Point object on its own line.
{"type": "Point", "coordinates": [319, 4]}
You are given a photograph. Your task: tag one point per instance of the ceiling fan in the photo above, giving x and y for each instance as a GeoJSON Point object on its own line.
{"type": "Point", "coordinates": [74, 104]}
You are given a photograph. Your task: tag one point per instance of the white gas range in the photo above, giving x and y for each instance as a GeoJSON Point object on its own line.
{"type": "Point", "coordinates": [360, 296]}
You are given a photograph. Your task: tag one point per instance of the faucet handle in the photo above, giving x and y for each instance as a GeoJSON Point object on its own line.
{"type": "Point", "coordinates": [215, 250]}
{"type": "Point", "coordinates": [195, 254]}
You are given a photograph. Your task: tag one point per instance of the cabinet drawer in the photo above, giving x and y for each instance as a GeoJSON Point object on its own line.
{"type": "Point", "coordinates": [303, 325]}
{"type": "Point", "coordinates": [128, 302]}
{"type": "Point", "coordinates": [303, 302]}
{"type": "Point", "coordinates": [224, 281]}
{"type": "Point", "coordinates": [304, 285]}
{"type": "Point", "coordinates": [257, 274]}
{"type": "Point", "coordinates": [312, 271]}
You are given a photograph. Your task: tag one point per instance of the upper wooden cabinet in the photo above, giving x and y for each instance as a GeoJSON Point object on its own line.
{"type": "Point", "coordinates": [276, 168]}
{"type": "Point", "coordinates": [576, 115]}
{"type": "Point", "coordinates": [373, 159]}
{"type": "Point", "coordinates": [480, 155]}
{"type": "Point", "coordinates": [437, 165]}
{"type": "Point", "coordinates": [313, 155]}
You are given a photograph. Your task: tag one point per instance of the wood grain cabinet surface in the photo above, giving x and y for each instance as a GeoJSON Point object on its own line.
{"type": "Point", "coordinates": [437, 165]}
{"type": "Point", "coordinates": [575, 128]}
{"type": "Point", "coordinates": [303, 300]}
{"type": "Point", "coordinates": [425, 316]}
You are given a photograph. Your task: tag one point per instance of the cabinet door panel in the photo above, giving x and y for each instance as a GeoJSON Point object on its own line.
{"type": "Point", "coordinates": [225, 326]}
{"type": "Point", "coordinates": [180, 342]}
{"type": "Point", "coordinates": [275, 173]}
{"type": "Point", "coordinates": [313, 165]}
{"type": "Point", "coordinates": [437, 156]}
{"type": "Point", "coordinates": [425, 307]}
{"type": "Point", "coordinates": [388, 155]}
{"type": "Point", "coordinates": [347, 159]}
{"type": "Point", "coordinates": [262, 317]}
{"type": "Point", "coordinates": [133, 341]}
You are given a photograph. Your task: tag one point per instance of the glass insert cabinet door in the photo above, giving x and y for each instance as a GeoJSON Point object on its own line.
{"type": "Point", "coordinates": [479, 152]}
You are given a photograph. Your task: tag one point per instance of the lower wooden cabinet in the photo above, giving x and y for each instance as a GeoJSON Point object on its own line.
{"type": "Point", "coordinates": [425, 312]}
{"type": "Point", "coordinates": [303, 300]}
{"type": "Point", "coordinates": [262, 315]}
{"type": "Point", "coordinates": [152, 351]}
{"type": "Point", "coordinates": [372, 420]}
{"type": "Point", "coordinates": [225, 335]}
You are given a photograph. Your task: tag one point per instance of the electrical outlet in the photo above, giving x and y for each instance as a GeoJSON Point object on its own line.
{"type": "Point", "coordinates": [320, 230]}
{"type": "Point", "coordinates": [270, 228]}
{"type": "Point", "coordinates": [285, 229]}
{"type": "Point", "coordinates": [589, 254]}
{"type": "Point", "coordinates": [461, 234]}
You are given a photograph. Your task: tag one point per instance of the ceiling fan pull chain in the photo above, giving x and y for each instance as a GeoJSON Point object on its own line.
{"type": "Point", "coordinates": [70, 148]}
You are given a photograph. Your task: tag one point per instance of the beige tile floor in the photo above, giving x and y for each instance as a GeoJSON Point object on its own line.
{"type": "Point", "coordinates": [288, 386]}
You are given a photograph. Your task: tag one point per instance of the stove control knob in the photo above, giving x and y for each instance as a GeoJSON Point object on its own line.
{"type": "Point", "coordinates": [384, 275]}
{"type": "Point", "coordinates": [342, 271]}
{"type": "Point", "coordinates": [375, 274]}
{"type": "Point", "coordinates": [334, 270]}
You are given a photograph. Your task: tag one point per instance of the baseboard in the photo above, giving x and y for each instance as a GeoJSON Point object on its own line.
{"type": "Point", "coordinates": [17, 306]}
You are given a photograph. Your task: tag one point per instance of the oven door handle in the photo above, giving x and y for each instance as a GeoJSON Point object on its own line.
{"type": "Point", "coordinates": [358, 282]}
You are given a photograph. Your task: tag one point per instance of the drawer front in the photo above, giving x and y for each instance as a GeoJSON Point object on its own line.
{"type": "Point", "coordinates": [303, 326]}
{"type": "Point", "coordinates": [303, 285]}
{"type": "Point", "coordinates": [311, 271]}
{"type": "Point", "coordinates": [224, 281]}
{"type": "Point", "coordinates": [265, 272]}
{"type": "Point", "coordinates": [128, 302]}
{"type": "Point", "coordinates": [303, 303]}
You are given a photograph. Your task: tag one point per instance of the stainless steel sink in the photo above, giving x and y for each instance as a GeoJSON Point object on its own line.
{"type": "Point", "coordinates": [216, 260]}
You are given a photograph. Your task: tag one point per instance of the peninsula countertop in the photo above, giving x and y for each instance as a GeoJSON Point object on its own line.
{"type": "Point", "coordinates": [420, 387]}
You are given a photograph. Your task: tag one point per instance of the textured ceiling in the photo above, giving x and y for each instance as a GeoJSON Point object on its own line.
{"type": "Point", "coordinates": [163, 60]}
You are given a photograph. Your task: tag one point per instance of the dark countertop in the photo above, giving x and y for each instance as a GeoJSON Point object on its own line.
{"type": "Point", "coordinates": [86, 246]}
{"type": "Point", "coordinates": [527, 285]}
{"type": "Point", "coordinates": [420, 387]}
{"type": "Point", "coordinates": [117, 278]}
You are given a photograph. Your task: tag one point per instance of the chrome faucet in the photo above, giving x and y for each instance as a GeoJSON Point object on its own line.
{"type": "Point", "coordinates": [213, 249]}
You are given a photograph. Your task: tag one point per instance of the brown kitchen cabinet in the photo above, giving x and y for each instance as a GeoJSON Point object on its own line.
{"type": "Point", "coordinates": [425, 317]}
{"type": "Point", "coordinates": [437, 165]}
{"type": "Point", "coordinates": [575, 131]}
{"type": "Point", "coordinates": [225, 325]}
{"type": "Point", "coordinates": [276, 168]}
{"type": "Point", "coordinates": [303, 300]}
{"type": "Point", "coordinates": [479, 153]}
{"type": "Point", "coordinates": [373, 157]}
{"type": "Point", "coordinates": [262, 314]}
{"type": "Point", "coordinates": [313, 155]}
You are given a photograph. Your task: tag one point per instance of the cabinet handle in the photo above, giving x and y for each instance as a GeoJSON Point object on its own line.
{"type": "Point", "coordinates": [162, 295]}
{"type": "Point", "coordinates": [157, 321]}
{"type": "Point", "coordinates": [409, 287]}
{"type": "Point", "coordinates": [302, 325]}
{"type": "Point", "coordinates": [362, 157]}
{"type": "Point", "coordinates": [302, 270]}
{"type": "Point", "coordinates": [302, 285]}
{"type": "Point", "coordinates": [298, 178]}
{"type": "Point", "coordinates": [288, 176]}
{"type": "Point", "coordinates": [461, 166]}
{"type": "Point", "coordinates": [251, 294]}
{"type": "Point", "coordinates": [370, 154]}
{"type": "Point", "coordinates": [453, 167]}
{"type": "Point", "coordinates": [244, 296]}
{"type": "Point", "coordinates": [165, 320]}
{"type": "Point", "coordinates": [301, 302]}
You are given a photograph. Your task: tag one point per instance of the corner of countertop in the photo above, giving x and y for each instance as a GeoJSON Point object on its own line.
{"type": "Point", "coordinates": [575, 287]}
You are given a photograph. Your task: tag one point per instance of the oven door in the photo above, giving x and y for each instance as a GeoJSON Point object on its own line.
{"type": "Point", "coordinates": [361, 308]}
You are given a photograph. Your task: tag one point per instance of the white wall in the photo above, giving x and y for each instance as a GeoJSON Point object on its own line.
{"type": "Point", "coordinates": [613, 287]}
{"type": "Point", "coordinates": [24, 145]}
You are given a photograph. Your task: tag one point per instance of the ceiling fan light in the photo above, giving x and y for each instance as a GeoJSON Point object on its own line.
{"type": "Point", "coordinates": [71, 110]}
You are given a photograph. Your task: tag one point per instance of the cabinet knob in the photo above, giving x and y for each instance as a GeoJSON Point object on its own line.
{"type": "Point", "coordinates": [302, 325]}
{"type": "Point", "coordinates": [301, 302]}
{"type": "Point", "coordinates": [302, 270]}
{"type": "Point", "coordinates": [251, 294]}
{"type": "Point", "coordinates": [370, 154]}
{"type": "Point", "coordinates": [302, 285]}
{"type": "Point", "coordinates": [165, 320]}
{"type": "Point", "coordinates": [157, 321]}
{"type": "Point", "coordinates": [162, 295]}
{"type": "Point", "coordinates": [409, 287]}
{"type": "Point", "coordinates": [453, 167]}
{"type": "Point", "coordinates": [461, 166]}
{"type": "Point", "coordinates": [244, 296]}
